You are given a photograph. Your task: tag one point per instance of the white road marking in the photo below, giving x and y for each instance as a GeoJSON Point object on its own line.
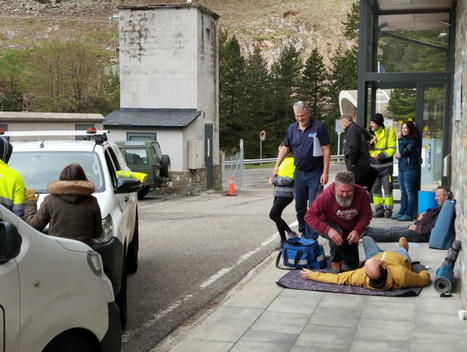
{"type": "Point", "coordinates": [127, 335]}
{"type": "Point", "coordinates": [157, 316]}
{"type": "Point", "coordinates": [240, 260]}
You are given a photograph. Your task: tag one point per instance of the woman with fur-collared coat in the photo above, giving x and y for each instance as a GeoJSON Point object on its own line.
{"type": "Point", "coordinates": [70, 209]}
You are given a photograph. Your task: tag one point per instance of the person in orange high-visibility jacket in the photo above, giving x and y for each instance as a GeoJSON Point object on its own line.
{"type": "Point", "coordinates": [381, 153]}
{"type": "Point", "coordinates": [11, 182]}
{"type": "Point", "coordinates": [140, 176]}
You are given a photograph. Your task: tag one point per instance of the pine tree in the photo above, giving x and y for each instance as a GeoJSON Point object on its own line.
{"type": "Point", "coordinates": [402, 104]}
{"type": "Point", "coordinates": [343, 76]}
{"type": "Point", "coordinates": [11, 99]}
{"type": "Point", "coordinates": [352, 22]}
{"type": "Point", "coordinates": [231, 73]}
{"type": "Point", "coordinates": [313, 87]}
{"type": "Point", "coordinates": [257, 106]}
{"type": "Point", "coordinates": [285, 81]}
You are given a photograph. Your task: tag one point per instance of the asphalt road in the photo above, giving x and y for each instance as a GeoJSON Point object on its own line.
{"type": "Point", "coordinates": [192, 249]}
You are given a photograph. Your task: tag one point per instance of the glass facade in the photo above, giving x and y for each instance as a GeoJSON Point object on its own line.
{"type": "Point", "coordinates": [413, 50]}
{"type": "Point", "coordinates": [407, 58]}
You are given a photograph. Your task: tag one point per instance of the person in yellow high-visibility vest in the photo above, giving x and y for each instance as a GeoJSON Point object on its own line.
{"type": "Point", "coordinates": [381, 153]}
{"type": "Point", "coordinates": [11, 182]}
{"type": "Point", "coordinates": [140, 176]}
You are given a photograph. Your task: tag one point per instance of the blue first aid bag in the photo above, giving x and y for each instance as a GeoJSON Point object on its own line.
{"type": "Point", "coordinates": [299, 252]}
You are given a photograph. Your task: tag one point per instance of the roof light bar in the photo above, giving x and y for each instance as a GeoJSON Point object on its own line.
{"type": "Point", "coordinates": [54, 133]}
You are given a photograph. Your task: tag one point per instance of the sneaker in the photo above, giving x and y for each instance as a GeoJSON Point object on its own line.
{"type": "Point", "coordinates": [403, 243]}
{"type": "Point", "coordinates": [291, 234]}
{"type": "Point", "coordinates": [388, 213]}
{"type": "Point", "coordinates": [405, 218]}
{"type": "Point", "coordinates": [378, 213]}
{"type": "Point", "coordinates": [396, 216]}
{"type": "Point", "coordinates": [336, 267]}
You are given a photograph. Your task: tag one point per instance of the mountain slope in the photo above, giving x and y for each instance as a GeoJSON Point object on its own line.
{"type": "Point", "coordinates": [271, 24]}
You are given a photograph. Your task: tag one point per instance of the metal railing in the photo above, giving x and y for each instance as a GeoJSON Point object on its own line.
{"type": "Point", "coordinates": [334, 158]}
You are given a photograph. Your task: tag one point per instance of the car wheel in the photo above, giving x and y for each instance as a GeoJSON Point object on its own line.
{"type": "Point", "coordinates": [121, 298]}
{"type": "Point", "coordinates": [70, 343]}
{"type": "Point", "coordinates": [143, 191]}
{"type": "Point", "coordinates": [132, 255]}
{"type": "Point", "coordinates": [165, 166]}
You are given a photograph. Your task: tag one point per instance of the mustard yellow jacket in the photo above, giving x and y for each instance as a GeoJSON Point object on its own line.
{"type": "Point", "coordinates": [399, 274]}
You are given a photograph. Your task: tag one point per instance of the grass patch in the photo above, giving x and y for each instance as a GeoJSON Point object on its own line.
{"type": "Point", "coordinates": [260, 166]}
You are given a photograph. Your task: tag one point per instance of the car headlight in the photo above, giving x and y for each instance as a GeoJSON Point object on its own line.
{"type": "Point", "coordinates": [95, 262]}
{"type": "Point", "coordinates": [107, 230]}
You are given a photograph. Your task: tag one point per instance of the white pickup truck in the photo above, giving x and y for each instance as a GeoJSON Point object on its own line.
{"type": "Point", "coordinates": [41, 160]}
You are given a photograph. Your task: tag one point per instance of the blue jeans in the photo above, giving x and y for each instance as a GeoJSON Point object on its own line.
{"type": "Point", "coordinates": [306, 188]}
{"type": "Point", "coordinates": [408, 180]}
{"type": "Point", "coordinates": [371, 248]}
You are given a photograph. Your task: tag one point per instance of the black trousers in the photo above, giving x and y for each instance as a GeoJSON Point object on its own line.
{"type": "Point", "coordinates": [275, 215]}
{"type": "Point", "coordinates": [364, 176]}
{"type": "Point", "coordinates": [345, 252]}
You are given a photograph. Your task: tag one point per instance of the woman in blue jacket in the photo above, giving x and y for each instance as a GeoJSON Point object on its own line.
{"type": "Point", "coordinates": [409, 168]}
{"type": "Point", "coordinates": [283, 195]}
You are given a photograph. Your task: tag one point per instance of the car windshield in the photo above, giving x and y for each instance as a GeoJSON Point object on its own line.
{"type": "Point", "coordinates": [39, 168]}
{"type": "Point", "coordinates": [136, 156]}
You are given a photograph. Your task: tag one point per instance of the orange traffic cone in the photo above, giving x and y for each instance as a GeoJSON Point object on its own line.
{"type": "Point", "coordinates": [231, 191]}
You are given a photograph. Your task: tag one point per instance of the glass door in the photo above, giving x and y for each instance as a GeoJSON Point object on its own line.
{"type": "Point", "coordinates": [432, 131]}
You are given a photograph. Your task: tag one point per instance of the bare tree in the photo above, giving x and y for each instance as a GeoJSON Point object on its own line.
{"type": "Point", "coordinates": [65, 75]}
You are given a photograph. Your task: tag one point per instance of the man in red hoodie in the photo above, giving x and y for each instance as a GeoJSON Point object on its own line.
{"type": "Point", "coordinates": [341, 213]}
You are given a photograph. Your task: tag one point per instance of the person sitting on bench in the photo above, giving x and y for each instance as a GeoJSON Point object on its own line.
{"type": "Point", "coordinates": [416, 232]}
{"type": "Point", "coordinates": [383, 270]}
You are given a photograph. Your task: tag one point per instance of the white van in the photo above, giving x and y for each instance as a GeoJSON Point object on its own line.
{"type": "Point", "coordinates": [54, 295]}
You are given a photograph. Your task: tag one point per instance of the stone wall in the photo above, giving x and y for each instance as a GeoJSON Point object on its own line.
{"type": "Point", "coordinates": [459, 144]}
{"type": "Point", "coordinates": [193, 182]}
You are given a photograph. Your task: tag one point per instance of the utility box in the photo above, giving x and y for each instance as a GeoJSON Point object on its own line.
{"type": "Point", "coordinates": [194, 154]}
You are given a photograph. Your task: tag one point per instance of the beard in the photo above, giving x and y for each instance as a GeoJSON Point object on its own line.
{"type": "Point", "coordinates": [344, 202]}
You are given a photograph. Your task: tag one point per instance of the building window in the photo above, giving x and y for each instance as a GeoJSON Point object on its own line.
{"type": "Point", "coordinates": [83, 127]}
{"type": "Point", "coordinates": [141, 136]}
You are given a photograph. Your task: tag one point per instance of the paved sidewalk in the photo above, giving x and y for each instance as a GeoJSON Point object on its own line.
{"type": "Point", "coordinates": [258, 315]}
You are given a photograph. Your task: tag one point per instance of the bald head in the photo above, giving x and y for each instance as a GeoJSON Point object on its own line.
{"type": "Point", "coordinates": [377, 272]}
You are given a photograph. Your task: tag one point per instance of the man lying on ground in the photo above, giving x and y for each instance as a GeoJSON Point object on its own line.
{"type": "Point", "coordinates": [383, 270]}
{"type": "Point", "coordinates": [416, 232]}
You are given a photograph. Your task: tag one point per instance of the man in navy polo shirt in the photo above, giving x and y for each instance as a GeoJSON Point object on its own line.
{"type": "Point", "coordinates": [309, 142]}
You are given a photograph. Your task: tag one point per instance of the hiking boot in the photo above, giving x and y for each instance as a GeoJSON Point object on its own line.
{"type": "Point", "coordinates": [388, 213]}
{"type": "Point", "coordinates": [403, 243]}
{"type": "Point", "coordinates": [336, 267]}
{"type": "Point", "coordinates": [378, 213]}
{"type": "Point", "coordinates": [405, 218]}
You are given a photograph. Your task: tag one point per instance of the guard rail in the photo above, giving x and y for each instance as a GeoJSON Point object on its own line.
{"type": "Point", "coordinates": [337, 158]}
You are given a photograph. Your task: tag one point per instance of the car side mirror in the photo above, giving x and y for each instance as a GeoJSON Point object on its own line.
{"type": "Point", "coordinates": [127, 185]}
{"type": "Point", "coordinates": [10, 242]}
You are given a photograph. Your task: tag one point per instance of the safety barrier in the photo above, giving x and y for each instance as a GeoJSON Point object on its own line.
{"type": "Point", "coordinates": [334, 158]}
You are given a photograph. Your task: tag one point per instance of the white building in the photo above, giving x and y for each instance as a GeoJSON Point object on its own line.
{"type": "Point", "coordinates": [169, 87]}
{"type": "Point", "coordinates": [48, 121]}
